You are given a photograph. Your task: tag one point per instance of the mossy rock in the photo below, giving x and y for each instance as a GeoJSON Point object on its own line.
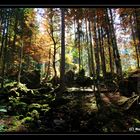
{"type": "Point", "coordinates": [35, 114]}
{"type": "Point", "coordinates": [13, 93]}
{"type": "Point", "coordinates": [15, 89]}
{"type": "Point", "coordinates": [4, 95]}
{"type": "Point", "coordinates": [31, 79]}
{"type": "Point", "coordinates": [27, 120]}
{"type": "Point", "coordinates": [136, 122]}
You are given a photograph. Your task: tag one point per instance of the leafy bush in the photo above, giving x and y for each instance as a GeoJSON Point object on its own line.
{"type": "Point", "coordinates": [34, 106]}
{"type": "Point", "coordinates": [38, 107]}
{"type": "Point", "coordinates": [16, 106]}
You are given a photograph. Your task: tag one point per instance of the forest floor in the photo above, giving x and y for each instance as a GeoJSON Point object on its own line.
{"type": "Point", "coordinates": [77, 112]}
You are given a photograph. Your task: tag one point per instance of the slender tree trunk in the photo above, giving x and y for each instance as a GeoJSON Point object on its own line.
{"type": "Point", "coordinates": [8, 52]}
{"type": "Point", "coordinates": [54, 47]}
{"type": "Point", "coordinates": [111, 62]}
{"type": "Point", "coordinates": [15, 31]}
{"type": "Point", "coordinates": [115, 47]}
{"type": "Point", "coordinates": [20, 63]}
{"type": "Point", "coordinates": [79, 47]}
{"type": "Point", "coordinates": [48, 68]}
{"type": "Point", "coordinates": [135, 45]}
{"type": "Point", "coordinates": [21, 46]}
{"type": "Point", "coordinates": [1, 23]}
{"type": "Point", "coordinates": [111, 59]}
{"type": "Point", "coordinates": [62, 66]}
{"type": "Point", "coordinates": [97, 93]}
{"type": "Point", "coordinates": [3, 36]}
{"type": "Point", "coordinates": [137, 22]}
{"type": "Point", "coordinates": [28, 56]}
{"type": "Point", "coordinates": [91, 50]}
{"type": "Point", "coordinates": [101, 52]}
{"type": "Point", "coordinates": [88, 49]}
{"type": "Point", "coordinates": [4, 47]}
{"type": "Point", "coordinates": [3, 64]}
{"type": "Point", "coordinates": [54, 59]}
{"type": "Point", "coordinates": [15, 37]}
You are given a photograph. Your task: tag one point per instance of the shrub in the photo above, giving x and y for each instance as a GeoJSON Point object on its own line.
{"type": "Point", "coordinates": [34, 106]}
{"type": "Point", "coordinates": [16, 106]}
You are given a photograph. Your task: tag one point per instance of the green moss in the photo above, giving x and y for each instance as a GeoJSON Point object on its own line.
{"type": "Point", "coordinates": [45, 108]}
{"type": "Point", "coordinates": [136, 122]}
{"type": "Point", "coordinates": [16, 107]}
{"type": "Point", "coordinates": [22, 88]}
{"type": "Point", "coordinates": [10, 84]}
{"type": "Point", "coordinates": [15, 124]}
{"type": "Point", "coordinates": [35, 114]}
{"type": "Point", "coordinates": [3, 128]}
{"type": "Point", "coordinates": [27, 120]}
{"type": "Point", "coordinates": [34, 106]}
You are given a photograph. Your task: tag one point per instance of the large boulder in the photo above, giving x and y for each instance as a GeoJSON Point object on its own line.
{"type": "Point", "coordinates": [69, 77]}
{"type": "Point", "coordinates": [31, 79]}
{"type": "Point", "coordinates": [84, 81]}
{"type": "Point", "coordinates": [130, 85]}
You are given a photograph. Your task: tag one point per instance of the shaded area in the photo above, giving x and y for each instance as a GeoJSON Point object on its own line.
{"type": "Point", "coordinates": [39, 110]}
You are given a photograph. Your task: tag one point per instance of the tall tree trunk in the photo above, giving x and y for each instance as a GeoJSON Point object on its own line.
{"type": "Point", "coordinates": [79, 47]}
{"type": "Point", "coordinates": [135, 44]}
{"type": "Point", "coordinates": [28, 56]}
{"type": "Point", "coordinates": [48, 68]}
{"type": "Point", "coordinates": [8, 52]}
{"type": "Point", "coordinates": [54, 46]}
{"type": "Point", "coordinates": [4, 47]}
{"type": "Point", "coordinates": [97, 93]}
{"type": "Point", "coordinates": [111, 59]}
{"type": "Point", "coordinates": [88, 49]}
{"type": "Point", "coordinates": [136, 31]}
{"type": "Point", "coordinates": [101, 51]}
{"type": "Point", "coordinates": [20, 62]}
{"type": "Point", "coordinates": [137, 22]}
{"type": "Point", "coordinates": [14, 39]}
{"type": "Point", "coordinates": [3, 35]}
{"type": "Point", "coordinates": [91, 50]}
{"type": "Point", "coordinates": [54, 59]}
{"type": "Point", "coordinates": [115, 47]}
{"type": "Point", "coordinates": [62, 66]}
{"type": "Point", "coordinates": [3, 63]}
{"type": "Point", "coordinates": [21, 47]}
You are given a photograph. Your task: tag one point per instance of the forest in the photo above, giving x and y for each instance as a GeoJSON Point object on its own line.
{"type": "Point", "coordinates": [69, 70]}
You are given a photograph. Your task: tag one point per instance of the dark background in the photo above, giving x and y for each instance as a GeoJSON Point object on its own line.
{"type": "Point", "coordinates": [70, 2]}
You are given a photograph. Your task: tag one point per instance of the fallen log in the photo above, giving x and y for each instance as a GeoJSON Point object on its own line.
{"type": "Point", "coordinates": [129, 102]}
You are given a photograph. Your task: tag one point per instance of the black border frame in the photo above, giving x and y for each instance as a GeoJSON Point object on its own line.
{"type": "Point", "coordinates": [69, 4]}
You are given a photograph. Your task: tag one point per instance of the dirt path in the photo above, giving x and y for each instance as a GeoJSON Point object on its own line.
{"type": "Point", "coordinates": [76, 113]}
